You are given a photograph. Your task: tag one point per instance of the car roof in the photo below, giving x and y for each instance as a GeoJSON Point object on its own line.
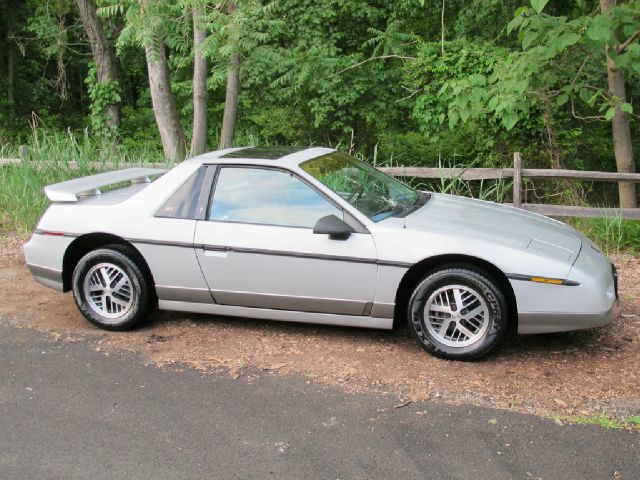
{"type": "Point", "coordinates": [280, 156]}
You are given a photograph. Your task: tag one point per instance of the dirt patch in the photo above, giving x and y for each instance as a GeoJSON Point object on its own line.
{"type": "Point", "coordinates": [584, 373]}
{"type": "Point", "coordinates": [11, 248]}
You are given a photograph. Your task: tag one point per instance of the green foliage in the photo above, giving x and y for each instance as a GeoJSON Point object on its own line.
{"type": "Point", "coordinates": [557, 64]}
{"type": "Point", "coordinates": [440, 110]}
{"type": "Point", "coordinates": [538, 5]}
{"type": "Point", "coordinates": [304, 69]}
{"type": "Point", "coordinates": [485, 19]}
{"type": "Point", "coordinates": [278, 125]}
{"type": "Point", "coordinates": [433, 73]}
{"type": "Point", "coordinates": [612, 235]}
{"type": "Point", "coordinates": [102, 95]}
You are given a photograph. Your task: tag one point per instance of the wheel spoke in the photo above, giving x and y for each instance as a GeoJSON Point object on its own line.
{"type": "Point", "coordinates": [445, 326]}
{"type": "Point", "coordinates": [121, 283]}
{"type": "Point", "coordinates": [445, 306]}
{"type": "Point", "coordinates": [468, 333]}
{"type": "Point", "coordinates": [105, 277]}
{"type": "Point", "coordinates": [120, 302]}
{"type": "Point", "coordinates": [440, 308]}
{"type": "Point", "coordinates": [457, 295]}
{"type": "Point", "coordinates": [474, 313]}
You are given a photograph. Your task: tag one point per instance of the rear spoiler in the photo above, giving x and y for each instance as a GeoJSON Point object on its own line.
{"type": "Point", "coordinates": [86, 186]}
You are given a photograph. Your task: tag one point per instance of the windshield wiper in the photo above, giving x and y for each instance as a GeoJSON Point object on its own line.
{"type": "Point", "coordinates": [422, 198]}
{"type": "Point", "coordinates": [404, 210]}
{"type": "Point", "coordinates": [388, 210]}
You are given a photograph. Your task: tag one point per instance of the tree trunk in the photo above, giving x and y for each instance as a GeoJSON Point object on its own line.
{"type": "Point", "coordinates": [231, 99]}
{"type": "Point", "coordinates": [622, 146]}
{"type": "Point", "coordinates": [8, 30]}
{"type": "Point", "coordinates": [10, 75]}
{"type": "Point", "coordinates": [164, 104]}
{"type": "Point", "coordinates": [199, 138]}
{"type": "Point", "coordinates": [104, 55]}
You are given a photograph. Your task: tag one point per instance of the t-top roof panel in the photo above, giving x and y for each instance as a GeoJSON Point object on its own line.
{"type": "Point", "coordinates": [263, 153]}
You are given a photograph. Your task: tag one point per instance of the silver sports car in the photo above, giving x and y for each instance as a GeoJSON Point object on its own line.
{"type": "Point", "coordinates": [314, 235]}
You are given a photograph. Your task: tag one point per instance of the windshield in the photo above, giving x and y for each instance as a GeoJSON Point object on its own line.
{"type": "Point", "coordinates": [375, 194]}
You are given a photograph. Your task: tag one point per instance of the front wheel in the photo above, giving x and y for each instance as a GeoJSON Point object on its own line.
{"type": "Point", "coordinates": [458, 313]}
{"type": "Point", "coordinates": [111, 289]}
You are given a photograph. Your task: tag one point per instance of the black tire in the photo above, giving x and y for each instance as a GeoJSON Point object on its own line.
{"type": "Point", "coordinates": [142, 299]}
{"type": "Point", "coordinates": [477, 282]}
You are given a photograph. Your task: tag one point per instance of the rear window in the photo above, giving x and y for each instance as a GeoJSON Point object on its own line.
{"type": "Point", "coordinates": [184, 202]}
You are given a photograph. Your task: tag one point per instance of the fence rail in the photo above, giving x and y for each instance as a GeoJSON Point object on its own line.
{"type": "Point", "coordinates": [497, 173]}
{"type": "Point", "coordinates": [517, 173]}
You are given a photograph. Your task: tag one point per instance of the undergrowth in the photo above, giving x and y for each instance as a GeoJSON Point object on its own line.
{"type": "Point", "coordinates": [52, 158]}
{"type": "Point", "coordinates": [612, 235]}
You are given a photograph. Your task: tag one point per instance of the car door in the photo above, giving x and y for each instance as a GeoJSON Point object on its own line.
{"type": "Point", "coordinates": [257, 247]}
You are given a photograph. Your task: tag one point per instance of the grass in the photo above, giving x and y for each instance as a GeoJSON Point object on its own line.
{"type": "Point", "coordinates": [612, 235]}
{"type": "Point", "coordinates": [22, 201]}
{"type": "Point", "coordinates": [604, 421]}
{"type": "Point", "coordinates": [493, 190]}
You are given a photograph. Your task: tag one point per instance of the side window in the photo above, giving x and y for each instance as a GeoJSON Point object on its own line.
{"type": "Point", "coordinates": [271, 197]}
{"type": "Point", "coordinates": [184, 202]}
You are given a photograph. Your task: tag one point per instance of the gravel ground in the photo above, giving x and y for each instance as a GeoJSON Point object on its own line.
{"type": "Point", "coordinates": [579, 373]}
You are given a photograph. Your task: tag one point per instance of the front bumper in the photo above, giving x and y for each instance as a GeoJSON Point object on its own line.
{"type": "Point", "coordinates": [532, 323]}
{"type": "Point", "coordinates": [593, 302]}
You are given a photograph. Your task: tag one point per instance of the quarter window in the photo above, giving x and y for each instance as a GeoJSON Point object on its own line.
{"type": "Point", "coordinates": [183, 203]}
{"type": "Point", "coordinates": [266, 196]}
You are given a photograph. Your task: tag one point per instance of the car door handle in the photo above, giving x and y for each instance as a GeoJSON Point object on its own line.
{"type": "Point", "coordinates": [216, 253]}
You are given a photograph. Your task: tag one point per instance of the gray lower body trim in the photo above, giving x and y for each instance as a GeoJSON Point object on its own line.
{"type": "Point", "coordinates": [280, 315]}
{"type": "Point", "coordinates": [536, 322]}
{"type": "Point", "coordinates": [196, 295]}
{"type": "Point", "coordinates": [286, 302]}
{"type": "Point", "coordinates": [383, 310]}
{"type": "Point", "coordinates": [49, 277]}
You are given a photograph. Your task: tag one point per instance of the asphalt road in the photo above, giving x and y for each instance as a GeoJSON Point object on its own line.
{"type": "Point", "coordinates": [69, 412]}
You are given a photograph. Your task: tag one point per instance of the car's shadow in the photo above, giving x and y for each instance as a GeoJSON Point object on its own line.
{"type": "Point", "coordinates": [596, 342]}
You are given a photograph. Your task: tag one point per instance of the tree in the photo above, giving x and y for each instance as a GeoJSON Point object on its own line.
{"type": "Point", "coordinates": [559, 73]}
{"type": "Point", "coordinates": [232, 93]}
{"type": "Point", "coordinates": [10, 59]}
{"type": "Point", "coordinates": [164, 104]}
{"type": "Point", "coordinates": [107, 76]}
{"type": "Point", "coordinates": [199, 137]}
{"type": "Point", "coordinates": [622, 146]}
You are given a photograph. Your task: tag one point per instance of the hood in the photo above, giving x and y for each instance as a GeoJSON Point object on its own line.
{"type": "Point", "coordinates": [500, 224]}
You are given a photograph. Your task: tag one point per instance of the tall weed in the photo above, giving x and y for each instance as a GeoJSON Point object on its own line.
{"type": "Point", "coordinates": [613, 235]}
{"type": "Point", "coordinates": [55, 157]}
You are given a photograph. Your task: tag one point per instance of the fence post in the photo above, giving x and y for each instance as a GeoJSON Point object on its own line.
{"type": "Point", "coordinates": [23, 153]}
{"type": "Point", "coordinates": [517, 179]}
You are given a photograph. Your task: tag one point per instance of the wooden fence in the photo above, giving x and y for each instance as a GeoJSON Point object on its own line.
{"type": "Point", "coordinates": [517, 173]}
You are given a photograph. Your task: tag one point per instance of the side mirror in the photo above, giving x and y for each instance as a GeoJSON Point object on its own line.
{"type": "Point", "coordinates": [334, 227]}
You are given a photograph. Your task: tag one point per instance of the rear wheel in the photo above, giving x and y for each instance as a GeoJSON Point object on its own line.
{"type": "Point", "coordinates": [458, 313]}
{"type": "Point", "coordinates": [111, 290]}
